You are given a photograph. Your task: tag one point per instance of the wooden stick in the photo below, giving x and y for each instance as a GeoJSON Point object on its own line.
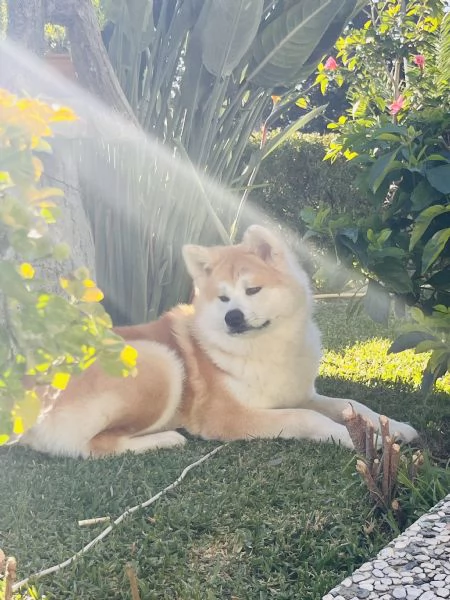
{"type": "Point", "coordinates": [363, 470]}
{"type": "Point", "coordinates": [384, 425]}
{"type": "Point", "coordinates": [393, 467]}
{"type": "Point", "coordinates": [387, 452]}
{"type": "Point", "coordinates": [88, 522]}
{"type": "Point", "coordinates": [376, 469]}
{"type": "Point", "coordinates": [131, 573]}
{"type": "Point", "coordinates": [10, 577]}
{"type": "Point", "coordinates": [355, 427]}
{"type": "Point", "coordinates": [369, 442]}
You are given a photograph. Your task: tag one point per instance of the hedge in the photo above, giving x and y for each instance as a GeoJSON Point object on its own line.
{"type": "Point", "coordinates": [295, 176]}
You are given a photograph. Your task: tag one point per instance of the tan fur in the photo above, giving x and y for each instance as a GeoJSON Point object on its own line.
{"type": "Point", "coordinates": [198, 373]}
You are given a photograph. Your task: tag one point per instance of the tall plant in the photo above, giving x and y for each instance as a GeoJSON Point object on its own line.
{"type": "Point", "coordinates": [199, 76]}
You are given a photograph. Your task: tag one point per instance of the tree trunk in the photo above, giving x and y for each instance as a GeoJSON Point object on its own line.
{"type": "Point", "coordinates": [26, 24]}
{"type": "Point", "coordinates": [92, 64]}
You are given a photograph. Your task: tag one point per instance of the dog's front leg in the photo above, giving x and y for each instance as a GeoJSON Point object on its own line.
{"type": "Point", "coordinates": [334, 408]}
{"type": "Point", "coordinates": [238, 423]}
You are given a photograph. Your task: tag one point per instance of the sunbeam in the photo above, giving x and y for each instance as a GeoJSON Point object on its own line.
{"type": "Point", "coordinates": [143, 198]}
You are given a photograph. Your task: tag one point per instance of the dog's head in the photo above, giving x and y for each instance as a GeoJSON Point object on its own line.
{"type": "Point", "coordinates": [246, 289]}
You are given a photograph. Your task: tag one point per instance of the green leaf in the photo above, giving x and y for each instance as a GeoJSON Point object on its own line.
{"type": "Point", "coordinates": [384, 235]}
{"type": "Point", "coordinates": [12, 284]}
{"type": "Point", "coordinates": [352, 233]}
{"type": "Point", "coordinates": [381, 167]}
{"type": "Point", "coordinates": [438, 360]}
{"type": "Point", "coordinates": [405, 341]}
{"type": "Point", "coordinates": [288, 48]}
{"type": "Point", "coordinates": [377, 302]}
{"type": "Point", "coordinates": [434, 247]}
{"type": "Point", "coordinates": [416, 314]}
{"type": "Point", "coordinates": [443, 55]}
{"type": "Point", "coordinates": [423, 195]}
{"type": "Point", "coordinates": [436, 367]}
{"type": "Point", "coordinates": [227, 33]}
{"type": "Point", "coordinates": [377, 254]}
{"type": "Point", "coordinates": [439, 177]}
{"type": "Point", "coordinates": [427, 380]}
{"type": "Point", "coordinates": [427, 345]}
{"type": "Point", "coordinates": [423, 221]}
{"type": "Point", "coordinates": [394, 275]}
{"type": "Point", "coordinates": [440, 280]}
{"type": "Point", "coordinates": [400, 130]}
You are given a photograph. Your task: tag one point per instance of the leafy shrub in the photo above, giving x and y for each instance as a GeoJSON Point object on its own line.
{"type": "Point", "coordinates": [44, 337]}
{"type": "Point", "coordinates": [295, 177]}
{"type": "Point", "coordinates": [398, 131]}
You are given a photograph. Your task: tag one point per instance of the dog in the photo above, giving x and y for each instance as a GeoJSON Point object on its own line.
{"type": "Point", "coordinates": [239, 363]}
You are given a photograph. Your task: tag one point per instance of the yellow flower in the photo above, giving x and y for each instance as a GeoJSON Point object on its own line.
{"type": "Point", "coordinates": [26, 270]}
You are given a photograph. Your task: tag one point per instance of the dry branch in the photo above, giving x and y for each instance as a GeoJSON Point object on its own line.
{"type": "Point", "coordinates": [95, 521]}
{"type": "Point", "coordinates": [356, 428]}
{"type": "Point", "coordinates": [131, 573]}
{"type": "Point", "coordinates": [10, 577]}
{"type": "Point", "coordinates": [379, 473]}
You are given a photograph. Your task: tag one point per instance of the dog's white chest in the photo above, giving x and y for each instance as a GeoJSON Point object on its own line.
{"type": "Point", "coordinates": [278, 383]}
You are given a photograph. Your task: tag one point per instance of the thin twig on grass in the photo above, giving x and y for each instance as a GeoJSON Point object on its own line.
{"type": "Point", "coordinates": [105, 532]}
{"type": "Point", "coordinates": [94, 521]}
{"type": "Point", "coordinates": [131, 573]}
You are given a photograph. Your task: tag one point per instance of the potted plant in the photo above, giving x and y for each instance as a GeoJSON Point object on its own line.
{"type": "Point", "coordinates": [58, 51]}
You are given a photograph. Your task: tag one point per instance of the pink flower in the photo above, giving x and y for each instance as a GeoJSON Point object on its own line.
{"type": "Point", "coordinates": [419, 60]}
{"type": "Point", "coordinates": [330, 64]}
{"type": "Point", "coordinates": [397, 105]}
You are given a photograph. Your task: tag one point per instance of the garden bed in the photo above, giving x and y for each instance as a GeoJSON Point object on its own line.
{"type": "Point", "coordinates": [416, 565]}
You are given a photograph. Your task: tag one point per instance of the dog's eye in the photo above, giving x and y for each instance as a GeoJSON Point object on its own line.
{"type": "Point", "coordinates": [224, 298]}
{"type": "Point", "coordinates": [252, 291]}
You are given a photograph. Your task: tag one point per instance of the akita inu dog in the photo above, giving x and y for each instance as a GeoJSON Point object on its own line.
{"type": "Point", "coordinates": [239, 363]}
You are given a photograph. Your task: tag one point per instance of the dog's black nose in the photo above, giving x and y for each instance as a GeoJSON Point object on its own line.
{"type": "Point", "coordinates": [235, 318]}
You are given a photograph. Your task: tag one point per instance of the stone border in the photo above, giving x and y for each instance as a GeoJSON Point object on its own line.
{"type": "Point", "coordinates": [416, 565]}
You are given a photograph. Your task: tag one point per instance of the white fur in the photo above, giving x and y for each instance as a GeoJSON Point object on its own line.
{"type": "Point", "coordinates": [55, 432]}
{"type": "Point", "coordinates": [142, 443]}
{"type": "Point", "coordinates": [276, 367]}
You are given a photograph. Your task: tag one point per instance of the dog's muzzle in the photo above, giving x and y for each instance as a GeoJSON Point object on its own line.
{"type": "Point", "coordinates": [235, 320]}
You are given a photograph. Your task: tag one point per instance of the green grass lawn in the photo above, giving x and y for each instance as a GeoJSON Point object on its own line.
{"type": "Point", "coordinates": [278, 519]}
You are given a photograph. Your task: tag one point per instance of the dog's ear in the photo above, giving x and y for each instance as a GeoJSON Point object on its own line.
{"type": "Point", "coordinates": [197, 260]}
{"type": "Point", "coordinates": [264, 244]}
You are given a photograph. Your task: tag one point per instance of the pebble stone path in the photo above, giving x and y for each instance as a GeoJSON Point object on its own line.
{"type": "Point", "coordinates": [416, 565]}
